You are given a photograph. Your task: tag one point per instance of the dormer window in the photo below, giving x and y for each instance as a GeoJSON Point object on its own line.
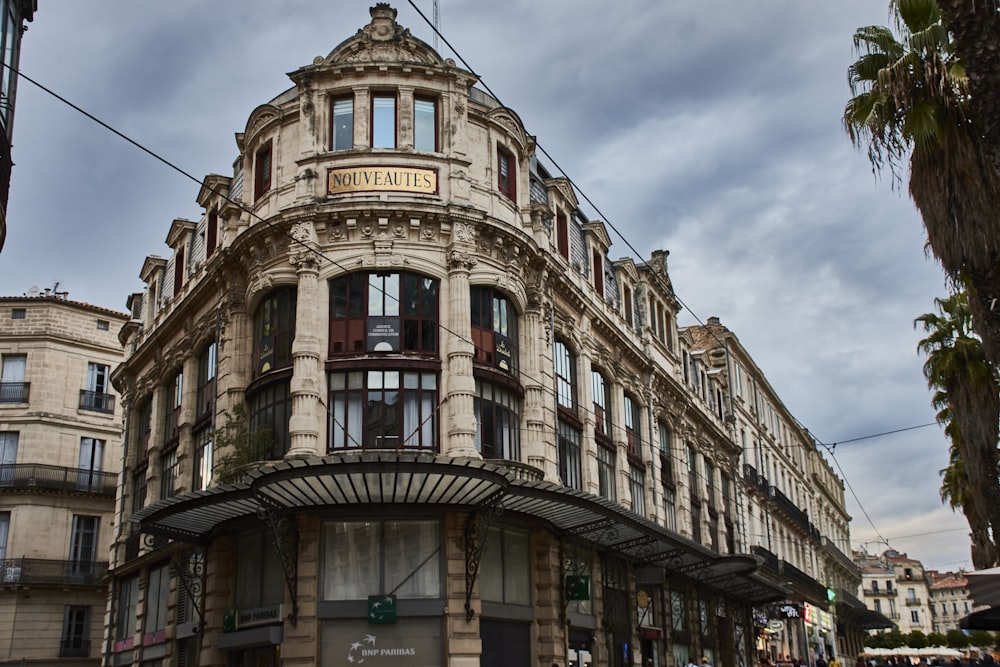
{"type": "Point", "coordinates": [562, 234]}
{"type": "Point", "coordinates": [506, 173]}
{"type": "Point", "coordinates": [262, 171]}
{"type": "Point", "coordinates": [383, 120]}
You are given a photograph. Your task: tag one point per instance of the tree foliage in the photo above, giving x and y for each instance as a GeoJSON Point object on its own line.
{"type": "Point", "coordinates": [967, 396]}
{"type": "Point", "coordinates": [239, 445]}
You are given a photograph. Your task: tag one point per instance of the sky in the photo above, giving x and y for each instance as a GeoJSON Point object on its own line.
{"type": "Point", "coordinates": [711, 129]}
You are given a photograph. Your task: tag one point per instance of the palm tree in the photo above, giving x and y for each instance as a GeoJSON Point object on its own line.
{"type": "Point", "coordinates": [911, 107]}
{"type": "Point", "coordinates": [975, 26]}
{"type": "Point", "coordinates": [953, 492]}
{"type": "Point", "coordinates": [967, 395]}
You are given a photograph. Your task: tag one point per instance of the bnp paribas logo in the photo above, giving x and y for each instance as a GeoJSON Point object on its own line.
{"type": "Point", "coordinates": [367, 647]}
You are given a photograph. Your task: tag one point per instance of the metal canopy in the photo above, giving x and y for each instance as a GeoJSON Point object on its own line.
{"type": "Point", "coordinates": [408, 478]}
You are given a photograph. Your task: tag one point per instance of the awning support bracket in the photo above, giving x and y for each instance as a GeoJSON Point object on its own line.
{"type": "Point", "coordinates": [285, 539]}
{"type": "Point", "coordinates": [477, 529]}
{"type": "Point", "coordinates": [189, 568]}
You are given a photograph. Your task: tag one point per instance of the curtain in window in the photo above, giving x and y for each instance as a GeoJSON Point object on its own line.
{"type": "Point", "coordinates": [13, 368]}
{"type": "Point", "coordinates": [350, 561]}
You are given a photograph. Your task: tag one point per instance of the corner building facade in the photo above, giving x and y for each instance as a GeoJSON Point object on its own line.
{"type": "Point", "coordinates": [390, 400]}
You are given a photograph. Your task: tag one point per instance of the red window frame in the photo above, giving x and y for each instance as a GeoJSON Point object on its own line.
{"type": "Point", "coordinates": [262, 171]}
{"type": "Point", "coordinates": [562, 235]}
{"type": "Point", "coordinates": [598, 273]}
{"type": "Point", "coordinates": [506, 173]}
{"type": "Point", "coordinates": [212, 233]}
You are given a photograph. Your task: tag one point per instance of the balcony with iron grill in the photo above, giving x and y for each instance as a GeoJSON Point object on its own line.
{"type": "Point", "coordinates": [43, 572]}
{"type": "Point", "coordinates": [14, 392]}
{"type": "Point", "coordinates": [39, 477]}
{"type": "Point", "coordinates": [97, 401]}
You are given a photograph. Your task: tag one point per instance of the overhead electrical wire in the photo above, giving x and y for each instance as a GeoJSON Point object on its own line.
{"type": "Point", "coordinates": [550, 392]}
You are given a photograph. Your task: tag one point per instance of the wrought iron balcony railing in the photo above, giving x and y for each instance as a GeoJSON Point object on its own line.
{"type": "Point", "coordinates": [56, 478]}
{"type": "Point", "coordinates": [37, 571]}
{"type": "Point", "coordinates": [97, 401]}
{"type": "Point", "coordinates": [14, 392]}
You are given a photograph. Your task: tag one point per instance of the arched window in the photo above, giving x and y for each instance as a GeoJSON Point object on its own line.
{"type": "Point", "coordinates": [383, 312]}
{"type": "Point", "coordinates": [273, 331]}
{"type": "Point", "coordinates": [568, 424]}
{"type": "Point", "coordinates": [494, 329]}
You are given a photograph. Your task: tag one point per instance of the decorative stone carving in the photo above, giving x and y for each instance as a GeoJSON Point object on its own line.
{"type": "Point", "coordinates": [458, 259]}
{"type": "Point", "coordinates": [463, 233]}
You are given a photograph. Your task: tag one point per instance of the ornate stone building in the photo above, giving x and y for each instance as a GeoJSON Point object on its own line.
{"type": "Point", "coordinates": [897, 586]}
{"type": "Point", "coordinates": [60, 450]}
{"type": "Point", "coordinates": [390, 399]}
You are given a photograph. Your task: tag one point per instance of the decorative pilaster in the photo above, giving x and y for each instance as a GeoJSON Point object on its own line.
{"type": "Point", "coordinates": [538, 443]}
{"type": "Point", "coordinates": [458, 406]}
{"type": "Point", "coordinates": [303, 425]}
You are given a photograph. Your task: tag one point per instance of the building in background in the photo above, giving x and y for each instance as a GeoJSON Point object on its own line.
{"type": "Point", "coordinates": [60, 451]}
{"type": "Point", "coordinates": [792, 511]}
{"type": "Point", "coordinates": [15, 13]}
{"type": "Point", "coordinates": [950, 599]}
{"type": "Point", "coordinates": [896, 586]}
{"type": "Point", "coordinates": [390, 399]}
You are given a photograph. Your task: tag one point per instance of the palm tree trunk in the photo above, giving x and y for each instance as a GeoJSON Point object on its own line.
{"type": "Point", "coordinates": [975, 25]}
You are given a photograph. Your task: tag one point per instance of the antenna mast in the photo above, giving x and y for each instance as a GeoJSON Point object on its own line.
{"type": "Point", "coordinates": [437, 24]}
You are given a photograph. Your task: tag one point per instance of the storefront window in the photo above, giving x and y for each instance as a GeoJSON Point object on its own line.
{"type": "Point", "coordinates": [362, 558]}
{"type": "Point", "coordinates": [504, 573]}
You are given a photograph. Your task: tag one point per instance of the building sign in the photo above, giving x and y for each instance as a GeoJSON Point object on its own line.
{"type": "Point", "coordinates": [381, 609]}
{"type": "Point", "coordinates": [382, 179]}
{"type": "Point", "coordinates": [383, 334]}
{"type": "Point", "coordinates": [412, 642]}
{"type": "Point", "coordinates": [786, 611]}
{"type": "Point", "coordinates": [248, 618]}
{"type": "Point", "coordinates": [503, 353]}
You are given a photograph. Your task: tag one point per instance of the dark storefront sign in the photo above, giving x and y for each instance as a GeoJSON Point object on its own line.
{"type": "Point", "coordinates": [786, 611]}
{"type": "Point", "coordinates": [383, 334]}
{"type": "Point", "coordinates": [413, 642]}
{"type": "Point", "coordinates": [505, 643]}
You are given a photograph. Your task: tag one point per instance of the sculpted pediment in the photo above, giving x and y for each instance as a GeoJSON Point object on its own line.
{"type": "Point", "coordinates": [511, 122]}
{"type": "Point", "coordinates": [383, 40]}
{"type": "Point", "coordinates": [260, 117]}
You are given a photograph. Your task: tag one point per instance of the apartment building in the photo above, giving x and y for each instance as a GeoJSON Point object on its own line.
{"type": "Point", "coordinates": [60, 450]}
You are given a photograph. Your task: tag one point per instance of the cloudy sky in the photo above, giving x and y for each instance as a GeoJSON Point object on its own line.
{"type": "Point", "coordinates": [710, 128]}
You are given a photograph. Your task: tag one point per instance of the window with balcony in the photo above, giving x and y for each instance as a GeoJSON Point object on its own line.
{"type": "Point", "coordinates": [383, 409]}
{"type": "Point", "coordinates": [383, 120]}
{"type": "Point", "coordinates": [8, 455]}
{"type": "Point", "coordinates": [75, 640]}
{"type": "Point", "coordinates": [13, 388]}
{"type": "Point", "coordinates": [498, 421]}
{"type": "Point", "coordinates": [83, 544]}
{"type": "Point", "coordinates": [505, 569]}
{"type": "Point", "coordinates": [568, 426]}
{"type": "Point", "coordinates": [342, 131]}
{"type": "Point", "coordinates": [362, 558]}
{"type": "Point", "coordinates": [389, 312]}
{"type": "Point", "coordinates": [494, 329]}
{"type": "Point", "coordinates": [88, 476]}
{"type": "Point", "coordinates": [262, 171]}
{"type": "Point", "coordinates": [506, 173]}
{"type": "Point", "coordinates": [425, 134]}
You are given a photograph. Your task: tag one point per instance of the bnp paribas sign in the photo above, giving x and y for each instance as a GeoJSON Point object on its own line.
{"type": "Point", "coordinates": [412, 642]}
{"type": "Point", "coordinates": [382, 178]}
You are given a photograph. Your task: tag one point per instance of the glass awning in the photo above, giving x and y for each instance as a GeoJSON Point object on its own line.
{"type": "Point", "coordinates": [406, 478]}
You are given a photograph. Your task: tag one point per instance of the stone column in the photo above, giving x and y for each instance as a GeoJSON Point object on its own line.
{"type": "Point", "coordinates": [307, 380]}
{"type": "Point", "coordinates": [235, 349]}
{"type": "Point", "coordinates": [588, 440]}
{"type": "Point", "coordinates": [538, 439]}
{"type": "Point", "coordinates": [404, 118]}
{"type": "Point", "coordinates": [189, 409]}
{"type": "Point", "coordinates": [460, 427]}
{"type": "Point", "coordinates": [362, 109]}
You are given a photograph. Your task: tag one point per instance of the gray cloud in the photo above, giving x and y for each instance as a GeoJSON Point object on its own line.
{"type": "Point", "coordinates": [711, 129]}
